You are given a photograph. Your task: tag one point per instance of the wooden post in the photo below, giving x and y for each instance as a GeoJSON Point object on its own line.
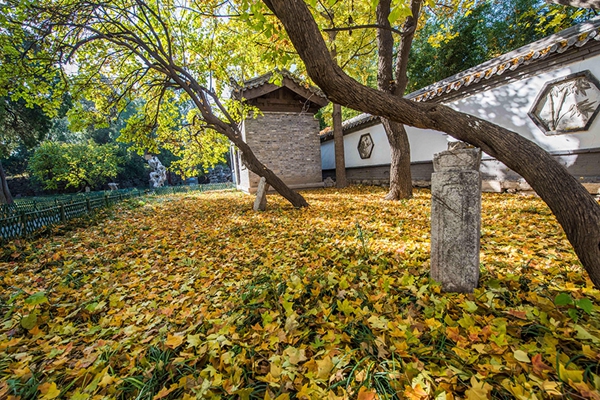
{"type": "Point", "coordinates": [63, 214]}
{"type": "Point", "coordinates": [88, 205]}
{"type": "Point", "coordinates": [23, 223]}
{"type": "Point", "coordinates": [106, 200]}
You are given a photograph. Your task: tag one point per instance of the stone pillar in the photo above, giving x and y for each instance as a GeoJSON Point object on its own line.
{"type": "Point", "coordinates": [456, 219]}
{"type": "Point", "coordinates": [260, 204]}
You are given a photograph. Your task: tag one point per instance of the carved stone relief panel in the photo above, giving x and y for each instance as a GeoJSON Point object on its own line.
{"type": "Point", "coordinates": [365, 146]}
{"type": "Point", "coordinates": [568, 104]}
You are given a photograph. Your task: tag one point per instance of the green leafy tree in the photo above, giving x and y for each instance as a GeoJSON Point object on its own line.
{"type": "Point", "coordinates": [167, 55]}
{"type": "Point", "coordinates": [67, 165]}
{"type": "Point", "coordinates": [478, 31]}
{"type": "Point", "coordinates": [448, 44]}
{"type": "Point", "coordinates": [25, 114]}
{"type": "Point", "coordinates": [391, 27]}
{"type": "Point", "coordinates": [21, 128]}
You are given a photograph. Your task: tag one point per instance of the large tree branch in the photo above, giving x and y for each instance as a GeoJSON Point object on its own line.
{"type": "Point", "coordinates": [577, 3]}
{"type": "Point", "coordinates": [232, 132]}
{"type": "Point", "coordinates": [574, 208]}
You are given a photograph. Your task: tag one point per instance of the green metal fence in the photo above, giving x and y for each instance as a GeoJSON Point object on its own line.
{"type": "Point", "coordinates": [26, 216]}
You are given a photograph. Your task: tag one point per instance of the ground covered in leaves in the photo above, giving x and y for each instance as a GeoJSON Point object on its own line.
{"type": "Point", "coordinates": [196, 296]}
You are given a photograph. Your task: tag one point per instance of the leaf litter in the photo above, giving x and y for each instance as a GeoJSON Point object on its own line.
{"type": "Point", "coordinates": [197, 296]}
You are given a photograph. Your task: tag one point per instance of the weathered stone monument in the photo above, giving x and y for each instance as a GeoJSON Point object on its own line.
{"type": "Point", "coordinates": [260, 204]}
{"type": "Point", "coordinates": [456, 219]}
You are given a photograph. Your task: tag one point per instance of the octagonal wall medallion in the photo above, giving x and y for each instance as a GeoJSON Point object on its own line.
{"type": "Point", "coordinates": [568, 104]}
{"type": "Point", "coordinates": [365, 146]}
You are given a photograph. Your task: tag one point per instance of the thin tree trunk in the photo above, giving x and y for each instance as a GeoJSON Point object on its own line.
{"type": "Point", "coordinates": [338, 133]}
{"type": "Point", "coordinates": [574, 208]}
{"type": "Point", "coordinates": [400, 174]}
{"type": "Point", "coordinates": [338, 143]}
{"type": "Point", "coordinates": [5, 196]}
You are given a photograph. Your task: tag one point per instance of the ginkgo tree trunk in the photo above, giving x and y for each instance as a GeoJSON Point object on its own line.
{"type": "Point", "coordinates": [574, 208]}
{"type": "Point", "coordinates": [392, 78]}
{"type": "Point", "coordinates": [338, 132]}
{"type": "Point", "coordinates": [400, 174]}
{"type": "Point", "coordinates": [144, 49]}
{"type": "Point", "coordinates": [5, 195]}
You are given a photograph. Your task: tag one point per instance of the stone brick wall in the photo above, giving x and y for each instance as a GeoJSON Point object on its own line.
{"type": "Point", "coordinates": [288, 143]}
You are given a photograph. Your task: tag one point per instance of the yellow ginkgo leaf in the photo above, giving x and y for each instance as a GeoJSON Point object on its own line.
{"type": "Point", "coordinates": [520, 355]}
{"type": "Point", "coordinates": [478, 390]}
{"type": "Point", "coordinates": [193, 340]}
{"type": "Point", "coordinates": [324, 368]}
{"type": "Point", "coordinates": [174, 341]}
{"type": "Point", "coordinates": [49, 391]}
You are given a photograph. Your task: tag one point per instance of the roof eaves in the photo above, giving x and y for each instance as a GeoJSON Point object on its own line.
{"type": "Point", "coordinates": [264, 79]}
{"type": "Point", "coordinates": [578, 36]}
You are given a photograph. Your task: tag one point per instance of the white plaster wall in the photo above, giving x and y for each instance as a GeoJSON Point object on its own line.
{"type": "Point", "coordinates": [423, 144]}
{"type": "Point", "coordinates": [244, 183]}
{"type": "Point", "coordinates": [506, 106]}
{"type": "Point", "coordinates": [327, 155]}
{"type": "Point", "coordinates": [381, 148]}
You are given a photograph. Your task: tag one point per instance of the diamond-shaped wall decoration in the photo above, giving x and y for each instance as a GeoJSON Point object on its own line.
{"type": "Point", "coordinates": [568, 104]}
{"type": "Point", "coordinates": [365, 146]}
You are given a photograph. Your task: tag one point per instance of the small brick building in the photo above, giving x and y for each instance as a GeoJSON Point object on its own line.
{"type": "Point", "coordinates": [286, 136]}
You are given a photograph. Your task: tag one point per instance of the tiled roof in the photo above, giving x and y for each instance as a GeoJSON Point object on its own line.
{"type": "Point", "coordinates": [551, 46]}
{"type": "Point", "coordinates": [576, 36]}
{"type": "Point", "coordinates": [359, 120]}
{"type": "Point", "coordinates": [264, 79]}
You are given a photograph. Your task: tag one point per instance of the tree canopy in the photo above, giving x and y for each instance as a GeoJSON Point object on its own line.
{"type": "Point", "coordinates": [450, 43]}
{"type": "Point", "coordinates": [173, 59]}
{"type": "Point", "coordinates": [57, 165]}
